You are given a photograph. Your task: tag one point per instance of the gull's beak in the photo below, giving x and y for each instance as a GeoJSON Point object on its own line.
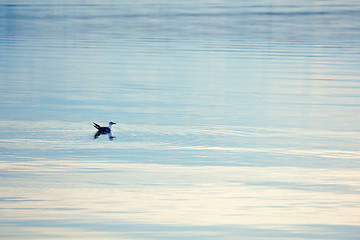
{"type": "Point", "coordinates": [114, 123]}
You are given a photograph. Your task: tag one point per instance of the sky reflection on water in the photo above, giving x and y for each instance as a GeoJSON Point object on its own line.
{"type": "Point", "coordinates": [235, 119]}
{"type": "Point", "coordinates": [109, 194]}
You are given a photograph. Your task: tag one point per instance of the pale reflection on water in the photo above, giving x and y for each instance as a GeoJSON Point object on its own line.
{"type": "Point", "coordinates": [108, 195]}
{"type": "Point", "coordinates": [236, 120]}
{"type": "Point", "coordinates": [62, 183]}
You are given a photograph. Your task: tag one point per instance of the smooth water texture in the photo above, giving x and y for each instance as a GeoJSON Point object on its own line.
{"type": "Point", "coordinates": [235, 119]}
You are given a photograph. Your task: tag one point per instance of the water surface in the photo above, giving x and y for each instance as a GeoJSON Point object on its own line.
{"type": "Point", "coordinates": [234, 119]}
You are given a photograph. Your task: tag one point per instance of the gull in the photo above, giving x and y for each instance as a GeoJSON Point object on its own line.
{"type": "Point", "coordinates": [103, 130]}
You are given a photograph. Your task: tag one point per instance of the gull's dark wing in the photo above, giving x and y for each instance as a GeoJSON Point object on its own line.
{"type": "Point", "coordinates": [97, 126]}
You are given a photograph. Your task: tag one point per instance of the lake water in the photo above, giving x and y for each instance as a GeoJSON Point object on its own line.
{"type": "Point", "coordinates": [235, 119]}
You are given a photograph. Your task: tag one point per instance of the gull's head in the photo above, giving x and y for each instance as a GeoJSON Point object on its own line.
{"type": "Point", "coordinates": [111, 123]}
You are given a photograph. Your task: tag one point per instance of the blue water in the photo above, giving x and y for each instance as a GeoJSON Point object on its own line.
{"type": "Point", "coordinates": [235, 119]}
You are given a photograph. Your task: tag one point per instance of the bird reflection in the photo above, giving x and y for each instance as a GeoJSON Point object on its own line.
{"type": "Point", "coordinates": [104, 131]}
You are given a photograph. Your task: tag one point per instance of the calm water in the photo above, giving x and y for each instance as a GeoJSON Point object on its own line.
{"type": "Point", "coordinates": [235, 119]}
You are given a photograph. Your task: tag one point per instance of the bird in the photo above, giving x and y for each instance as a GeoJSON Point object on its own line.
{"type": "Point", "coordinates": [103, 130]}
